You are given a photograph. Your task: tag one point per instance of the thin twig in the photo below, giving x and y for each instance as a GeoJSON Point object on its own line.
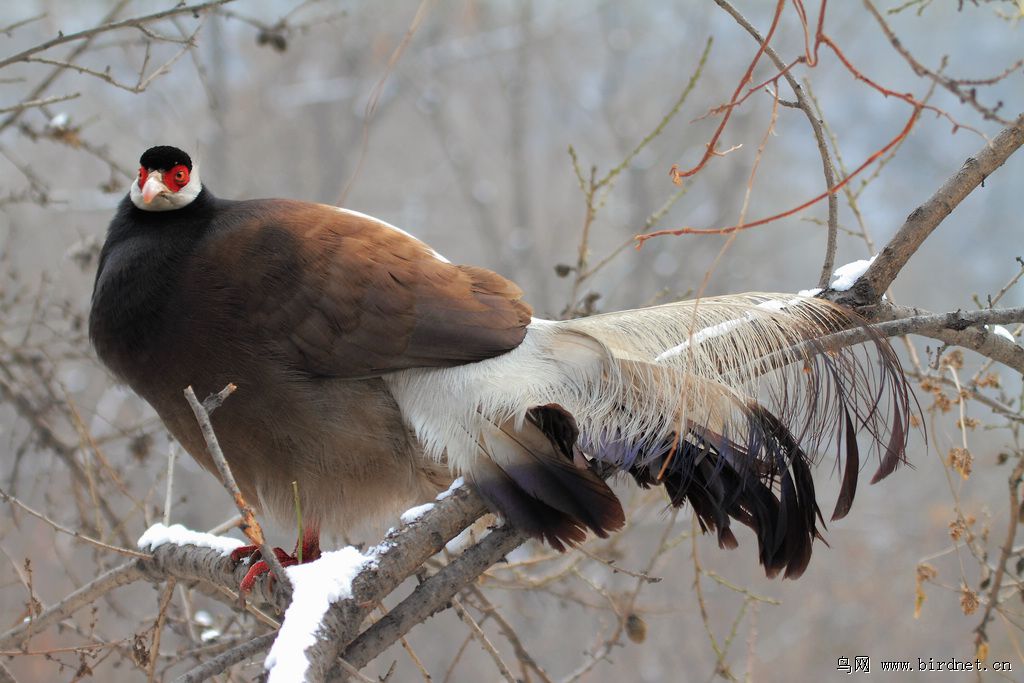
{"type": "Point", "coordinates": [804, 105]}
{"type": "Point", "coordinates": [70, 532]}
{"type": "Point", "coordinates": [250, 526]}
{"type": "Point", "coordinates": [172, 456]}
{"type": "Point", "coordinates": [524, 656]}
{"type": "Point", "coordinates": [119, 576]}
{"type": "Point", "coordinates": [481, 637]}
{"type": "Point", "coordinates": [592, 185]}
{"type": "Point", "coordinates": [76, 52]}
{"type": "Point", "coordinates": [378, 89]}
{"type": "Point", "coordinates": [981, 635]}
{"type": "Point", "coordinates": [967, 95]}
{"type": "Point", "coordinates": [158, 628]}
{"type": "Point", "coordinates": [226, 660]}
{"type": "Point", "coordinates": [136, 22]}
{"type": "Point", "coordinates": [29, 104]}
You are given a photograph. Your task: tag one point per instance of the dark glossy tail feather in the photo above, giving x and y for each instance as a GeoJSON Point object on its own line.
{"type": "Point", "coordinates": [764, 484]}
{"type": "Point", "coordinates": [531, 478]}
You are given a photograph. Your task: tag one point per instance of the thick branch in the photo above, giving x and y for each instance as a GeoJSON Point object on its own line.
{"type": "Point", "coordinates": [402, 555]}
{"type": "Point", "coordinates": [431, 596]}
{"type": "Point", "coordinates": [924, 219]}
{"type": "Point", "coordinates": [959, 328]}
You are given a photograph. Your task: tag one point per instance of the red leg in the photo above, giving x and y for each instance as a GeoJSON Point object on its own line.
{"type": "Point", "coordinates": [309, 543]}
{"type": "Point", "coordinates": [244, 553]}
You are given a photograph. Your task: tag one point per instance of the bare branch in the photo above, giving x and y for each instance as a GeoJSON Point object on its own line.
{"type": "Point", "coordinates": [968, 96]}
{"type": "Point", "coordinates": [1004, 553]}
{"type": "Point", "coordinates": [250, 526]}
{"type": "Point", "coordinates": [225, 660]}
{"type": "Point", "coordinates": [958, 327]}
{"type": "Point", "coordinates": [86, 595]}
{"type": "Point", "coordinates": [135, 22]}
{"type": "Point", "coordinates": [10, 28]}
{"type": "Point", "coordinates": [804, 105]}
{"type": "Point", "coordinates": [30, 104]}
{"type": "Point", "coordinates": [55, 73]}
{"type": "Point", "coordinates": [431, 596]}
{"type": "Point", "coordinates": [925, 218]}
{"type": "Point", "coordinates": [5, 675]}
{"type": "Point", "coordinates": [481, 637]}
{"type": "Point", "coordinates": [70, 532]}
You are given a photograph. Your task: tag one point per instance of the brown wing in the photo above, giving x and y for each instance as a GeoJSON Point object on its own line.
{"type": "Point", "coordinates": [340, 294]}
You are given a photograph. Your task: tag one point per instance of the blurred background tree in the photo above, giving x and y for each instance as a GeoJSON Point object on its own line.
{"type": "Point", "coordinates": [452, 120]}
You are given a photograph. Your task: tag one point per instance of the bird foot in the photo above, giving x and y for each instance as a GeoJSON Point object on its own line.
{"type": "Point", "coordinates": [259, 567]}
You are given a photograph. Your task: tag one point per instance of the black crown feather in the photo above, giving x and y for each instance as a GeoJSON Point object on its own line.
{"type": "Point", "coordinates": [164, 158]}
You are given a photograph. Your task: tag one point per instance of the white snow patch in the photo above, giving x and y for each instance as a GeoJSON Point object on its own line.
{"type": "Point", "coordinates": [1001, 331]}
{"type": "Point", "coordinates": [846, 275]}
{"type": "Point", "coordinates": [314, 587]}
{"type": "Point", "coordinates": [203, 618]}
{"type": "Point", "coordinates": [809, 293]}
{"type": "Point", "coordinates": [451, 489]}
{"type": "Point", "coordinates": [176, 534]}
{"type": "Point", "coordinates": [59, 122]}
{"type": "Point", "coordinates": [209, 634]}
{"type": "Point", "coordinates": [412, 514]}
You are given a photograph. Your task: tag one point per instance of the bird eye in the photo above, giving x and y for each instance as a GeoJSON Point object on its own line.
{"type": "Point", "coordinates": [176, 178]}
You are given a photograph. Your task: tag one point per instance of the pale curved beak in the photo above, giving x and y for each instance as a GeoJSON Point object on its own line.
{"type": "Point", "coordinates": [154, 186]}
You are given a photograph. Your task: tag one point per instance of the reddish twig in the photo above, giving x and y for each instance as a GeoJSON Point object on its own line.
{"type": "Point", "coordinates": [832, 190]}
{"type": "Point", "coordinates": [811, 58]}
{"type": "Point", "coordinates": [675, 173]}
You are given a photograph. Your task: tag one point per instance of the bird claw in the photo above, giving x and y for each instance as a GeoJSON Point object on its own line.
{"type": "Point", "coordinates": [258, 567]}
{"type": "Point", "coordinates": [244, 552]}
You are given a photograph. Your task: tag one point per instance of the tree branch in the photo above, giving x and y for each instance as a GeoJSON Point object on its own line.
{"type": "Point", "coordinates": [804, 105]}
{"type": "Point", "coordinates": [250, 526]}
{"type": "Point", "coordinates": [119, 576]}
{"type": "Point", "coordinates": [135, 22]}
{"type": "Point", "coordinates": [431, 596]}
{"type": "Point", "coordinates": [958, 327]}
{"type": "Point", "coordinates": [225, 660]}
{"type": "Point", "coordinates": [924, 219]}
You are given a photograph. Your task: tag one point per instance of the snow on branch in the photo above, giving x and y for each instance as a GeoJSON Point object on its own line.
{"type": "Point", "coordinates": [176, 534]}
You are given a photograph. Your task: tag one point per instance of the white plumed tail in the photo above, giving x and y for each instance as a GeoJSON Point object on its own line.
{"type": "Point", "coordinates": [725, 401]}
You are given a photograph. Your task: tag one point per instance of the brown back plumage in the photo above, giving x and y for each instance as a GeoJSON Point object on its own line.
{"type": "Point", "coordinates": [343, 295]}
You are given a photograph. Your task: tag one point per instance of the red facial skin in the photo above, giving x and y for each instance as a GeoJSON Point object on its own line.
{"type": "Point", "coordinates": [174, 179]}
